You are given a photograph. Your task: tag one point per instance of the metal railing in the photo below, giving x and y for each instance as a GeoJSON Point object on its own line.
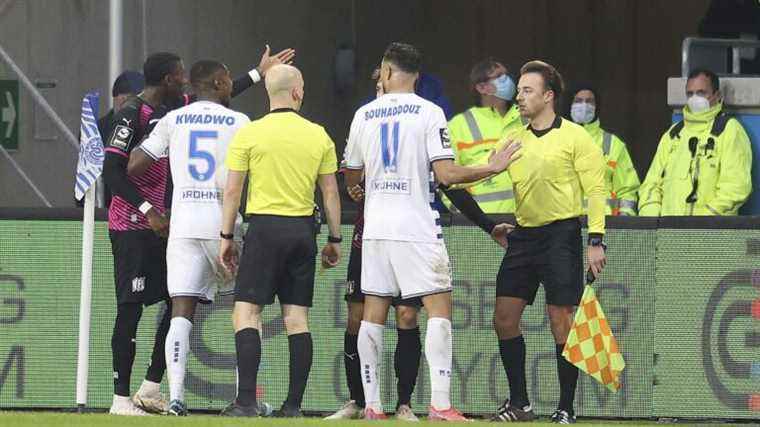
{"type": "Point", "coordinates": [733, 44]}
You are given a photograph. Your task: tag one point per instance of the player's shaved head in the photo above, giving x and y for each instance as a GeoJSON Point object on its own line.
{"type": "Point", "coordinates": [281, 79]}
{"type": "Point", "coordinates": [284, 85]}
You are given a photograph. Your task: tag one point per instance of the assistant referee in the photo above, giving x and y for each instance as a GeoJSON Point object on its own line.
{"type": "Point", "coordinates": [285, 156]}
{"type": "Point", "coordinates": [559, 164]}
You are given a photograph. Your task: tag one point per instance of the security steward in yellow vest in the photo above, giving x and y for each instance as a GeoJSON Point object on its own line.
{"type": "Point", "coordinates": [558, 164]}
{"type": "Point", "coordinates": [620, 177]}
{"type": "Point", "coordinates": [702, 165]}
{"type": "Point", "coordinates": [475, 132]}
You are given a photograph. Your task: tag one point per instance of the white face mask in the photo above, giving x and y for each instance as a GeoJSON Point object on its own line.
{"type": "Point", "coordinates": [582, 112]}
{"type": "Point", "coordinates": [698, 104]}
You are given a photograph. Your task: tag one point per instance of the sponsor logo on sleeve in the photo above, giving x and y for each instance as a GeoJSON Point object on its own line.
{"type": "Point", "coordinates": [445, 140]}
{"type": "Point", "coordinates": [122, 137]}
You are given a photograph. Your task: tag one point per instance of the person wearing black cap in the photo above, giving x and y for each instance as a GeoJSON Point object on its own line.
{"type": "Point", "coordinates": [128, 83]}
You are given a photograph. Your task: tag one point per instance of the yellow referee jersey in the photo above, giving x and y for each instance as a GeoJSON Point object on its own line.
{"type": "Point", "coordinates": [557, 166]}
{"type": "Point", "coordinates": [283, 154]}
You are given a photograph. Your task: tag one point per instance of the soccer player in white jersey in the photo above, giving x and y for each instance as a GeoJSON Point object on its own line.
{"type": "Point", "coordinates": [400, 143]}
{"type": "Point", "coordinates": [195, 138]}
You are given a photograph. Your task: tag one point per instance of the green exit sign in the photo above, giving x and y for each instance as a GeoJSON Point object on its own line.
{"type": "Point", "coordinates": [9, 112]}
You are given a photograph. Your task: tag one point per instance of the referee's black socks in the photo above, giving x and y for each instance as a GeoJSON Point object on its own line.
{"type": "Point", "coordinates": [568, 379]}
{"type": "Point", "coordinates": [353, 368]}
{"type": "Point", "coordinates": [407, 363]}
{"type": "Point", "coordinates": [513, 358]}
{"type": "Point", "coordinates": [248, 348]}
{"type": "Point", "coordinates": [301, 353]}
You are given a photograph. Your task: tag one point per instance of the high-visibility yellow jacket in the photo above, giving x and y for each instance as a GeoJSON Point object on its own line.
{"type": "Point", "coordinates": [620, 177]}
{"type": "Point", "coordinates": [702, 167]}
{"type": "Point", "coordinates": [474, 133]}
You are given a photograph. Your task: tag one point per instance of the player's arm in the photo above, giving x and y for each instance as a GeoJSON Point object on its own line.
{"type": "Point", "coordinates": [469, 208]}
{"type": "Point", "coordinates": [448, 173]}
{"type": "Point", "coordinates": [353, 168]}
{"type": "Point", "coordinates": [139, 162]}
{"type": "Point", "coordinates": [153, 148]}
{"type": "Point", "coordinates": [119, 144]}
{"type": "Point", "coordinates": [243, 83]}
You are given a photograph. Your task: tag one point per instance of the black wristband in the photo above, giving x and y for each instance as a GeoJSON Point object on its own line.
{"type": "Point", "coordinates": [596, 240]}
{"type": "Point", "coordinates": [332, 239]}
{"type": "Point", "coordinates": [226, 236]}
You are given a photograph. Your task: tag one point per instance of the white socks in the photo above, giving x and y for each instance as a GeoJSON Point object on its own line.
{"type": "Point", "coordinates": [438, 353]}
{"type": "Point", "coordinates": [176, 349]}
{"type": "Point", "coordinates": [370, 344]}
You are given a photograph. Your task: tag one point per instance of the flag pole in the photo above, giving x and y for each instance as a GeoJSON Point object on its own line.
{"type": "Point", "coordinates": [85, 298]}
{"type": "Point", "coordinates": [89, 168]}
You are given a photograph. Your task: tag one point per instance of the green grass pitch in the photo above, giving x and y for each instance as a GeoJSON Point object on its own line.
{"type": "Point", "coordinates": [40, 419]}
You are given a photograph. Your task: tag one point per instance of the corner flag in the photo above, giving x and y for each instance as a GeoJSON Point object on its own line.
{"type": "Point", "coordinates": [91, 154]}
{"type": "Point", "coordinates": [591, 346]}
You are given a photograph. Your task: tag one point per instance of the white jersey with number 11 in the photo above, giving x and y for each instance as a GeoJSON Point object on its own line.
{"type": "Point", "coordinates": [395, 139]}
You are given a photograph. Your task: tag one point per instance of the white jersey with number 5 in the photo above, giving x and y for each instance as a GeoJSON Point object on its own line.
{"type": "Point", "coordinates": [195, 138]}
{"type": "Point", "coordinates": [395, 138]}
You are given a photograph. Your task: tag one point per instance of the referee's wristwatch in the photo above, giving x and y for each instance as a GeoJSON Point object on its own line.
{"type": "Point", "coordinates": [597, 241]}
{"type": "Point", "coordinates": [331, 239]}
{"type": "Point", "coordinates": [225, 236]}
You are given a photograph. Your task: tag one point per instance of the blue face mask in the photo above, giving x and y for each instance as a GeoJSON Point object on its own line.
{"type": "Point", "coordinates": [505, 87]}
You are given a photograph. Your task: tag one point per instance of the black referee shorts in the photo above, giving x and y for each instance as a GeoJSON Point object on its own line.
{"type": "Point", "coordinates": [354, 283]}
{"type": "Point", "coordinates": [139, 260]}
{"type": "Point", "coordinates": [279, 258]}
{"type": "Point", "coordinates": [550, 255]}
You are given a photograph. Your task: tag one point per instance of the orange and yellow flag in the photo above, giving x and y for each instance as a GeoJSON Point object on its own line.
{"type": "Point", "coordinates": [591, 346]}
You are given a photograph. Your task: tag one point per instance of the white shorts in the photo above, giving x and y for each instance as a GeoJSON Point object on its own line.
{"type": "Point", "coordinates": [193, 269]}
{"type": "Point", "coordinates": [412, 269]}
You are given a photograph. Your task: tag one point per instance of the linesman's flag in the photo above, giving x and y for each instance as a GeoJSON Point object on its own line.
{"type": "Point", "coordinates": [91, 154]}
{"type": "Point", "coordinates": [591, 346]}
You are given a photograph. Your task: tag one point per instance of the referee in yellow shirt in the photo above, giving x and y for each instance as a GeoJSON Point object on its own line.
{"type": "Point", "coordinates": [559, 163]}
{"type": "Point", "coordinates": [285, 157]}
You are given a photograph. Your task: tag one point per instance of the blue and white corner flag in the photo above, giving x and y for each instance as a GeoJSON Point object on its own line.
{"type": "Point", "coordinates": [91, 153]}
